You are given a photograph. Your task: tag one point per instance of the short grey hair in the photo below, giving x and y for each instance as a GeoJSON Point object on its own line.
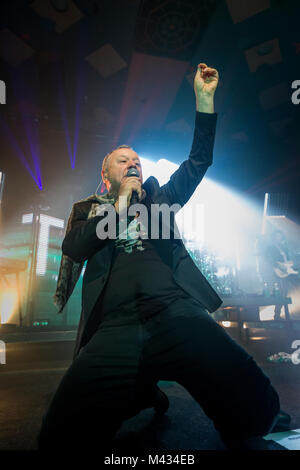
{"type": "Point", "coordinates": [105, 159]}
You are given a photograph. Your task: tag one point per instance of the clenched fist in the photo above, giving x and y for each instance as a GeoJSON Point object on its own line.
{"type": "Point", "coordinates": [206, 80]}
{"type": "Point", "coordinates": [205, 84]}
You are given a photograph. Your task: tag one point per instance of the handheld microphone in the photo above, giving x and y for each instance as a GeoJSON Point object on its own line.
{"type": "Point", "coordinates": [134, 197]}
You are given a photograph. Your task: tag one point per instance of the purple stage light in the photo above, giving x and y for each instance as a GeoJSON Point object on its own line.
{"type": "Point", "coordinates": [76, 131]}
{"type": "Point", "coordinates": [28, 113]}
{"type": "Point", "coordinates": [10, 137]}
{"type": "Point", "coordinates": [62, 105]}
{"type": "Point", "coordinates": [79, 93]}
{"type": "Point", "coordinates": [31, 129]}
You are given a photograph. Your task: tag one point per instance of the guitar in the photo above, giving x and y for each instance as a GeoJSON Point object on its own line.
{"type": "Point", "coordinates": [284, 269]}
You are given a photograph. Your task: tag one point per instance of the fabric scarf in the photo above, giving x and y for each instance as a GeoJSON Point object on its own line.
{"type": "Point", "coordinates": [69, 270]}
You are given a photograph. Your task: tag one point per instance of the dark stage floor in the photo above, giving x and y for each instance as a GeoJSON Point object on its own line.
{"type": "Point", "coordinates": [34, 369]}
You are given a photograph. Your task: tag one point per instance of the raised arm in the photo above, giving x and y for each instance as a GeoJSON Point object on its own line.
{"type": "Point", "coordinates": [185, 180]}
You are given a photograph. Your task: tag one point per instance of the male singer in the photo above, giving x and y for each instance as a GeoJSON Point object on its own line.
{"type": "Point", "coordinates": [145, 312]}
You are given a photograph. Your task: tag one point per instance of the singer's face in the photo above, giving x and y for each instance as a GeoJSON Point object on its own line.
{"type": "Point", "coordinates": [119, 162]}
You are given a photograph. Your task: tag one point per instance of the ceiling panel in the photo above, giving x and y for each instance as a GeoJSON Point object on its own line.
{"type": "Point", "coordinates": [12, 49]}
{"type": "Point", "coordinates": [106, 61]}
{"type": "Point", "coordinates": [63, 20]}
{"type": "Point", "coordinates": [240, 10]}
{"type": "Point", "coordinates": [266, 53]}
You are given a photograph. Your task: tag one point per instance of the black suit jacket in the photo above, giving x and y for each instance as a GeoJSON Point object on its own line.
{"type": "Point", "coordinates": [81, 243]}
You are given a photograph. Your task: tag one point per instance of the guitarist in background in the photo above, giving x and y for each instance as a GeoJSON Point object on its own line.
{"type": "Point", "coordinates": [281, 268]}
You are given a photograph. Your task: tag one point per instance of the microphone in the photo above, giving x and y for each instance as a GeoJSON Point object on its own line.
{"type": "Point", "coordinates": [134, 197]}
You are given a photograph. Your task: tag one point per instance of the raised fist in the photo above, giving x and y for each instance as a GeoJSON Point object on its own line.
{"type": "Point", "coordinates": [205, 81]}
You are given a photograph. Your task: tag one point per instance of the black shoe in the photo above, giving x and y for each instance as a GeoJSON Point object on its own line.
{"type": "Point", "coordinates": [161, 401]}
{"type": "Point", "coordinates": [283, 422]}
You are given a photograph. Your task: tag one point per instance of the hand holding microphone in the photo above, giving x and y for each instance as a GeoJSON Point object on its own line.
{"type": "Point", "coordinates": [131, 188]}
{"type": "Point", "coordinates": [136, 195]}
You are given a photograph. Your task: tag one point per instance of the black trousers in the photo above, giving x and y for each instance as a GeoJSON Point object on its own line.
{"type": "Point", "coordinates": [112, 378]}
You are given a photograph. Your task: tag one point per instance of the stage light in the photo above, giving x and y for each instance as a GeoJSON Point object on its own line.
{"type": "Point", "coordinates": [190, 227]}
{"type": "Point", "coordinates": [41, 323]}
{"type": "Point", "coordinates": [161, 169]}
{"type": "Point", "coordinates": [9, 135]}
{"type": "Point", "coordinates": [63, 109]}
{"type": "Point", "coordinates": [2, 353]}
{"type": "Point", "coordinates": [267, 313]}
{"type": "Point", "coordinates": [165, 169]}
{"type": "Point", "coordinates": [294, 309]}
{"type": "Point", "coordinates": [149, 168]}
{"type": "Point", "coordinates": [27, 219]}
{"type": "Point", "coordinates": [8, 305]}
{"type": "Point", "coordinates": [80, 87]}
{"type": "Point", "coordinates": [45, 222]}
{"type": "Point", "coordinates": [2, 179]}
{"type": "Point", "coordinates": [215, 216]}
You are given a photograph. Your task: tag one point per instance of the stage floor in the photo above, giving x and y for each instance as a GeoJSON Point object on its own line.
{"type": "Point", "coordinates": [34, 369]}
